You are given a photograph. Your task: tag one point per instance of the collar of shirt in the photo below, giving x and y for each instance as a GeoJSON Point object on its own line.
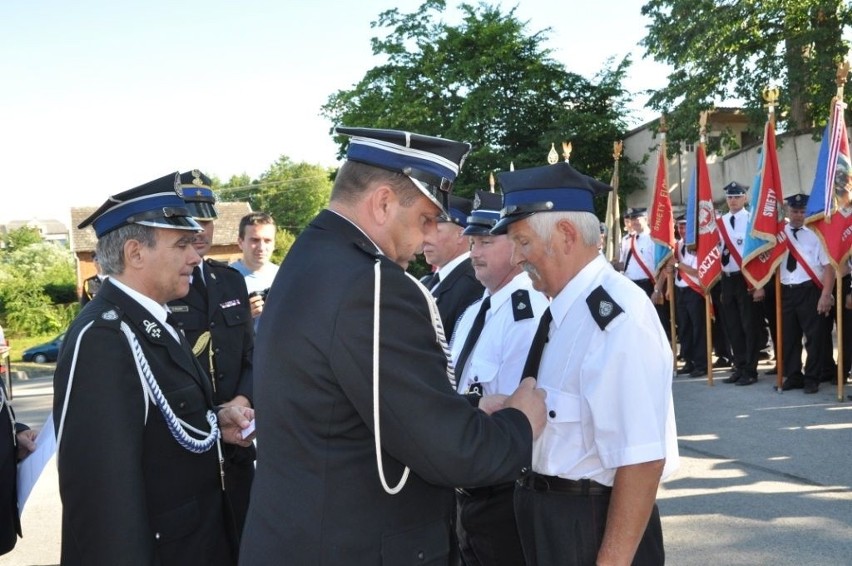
{"type": "Point", "coordinates": [498, 299]}
{"type": "Point", "coordinates": [562, 303]}
{"type": "Point", "coordinates": [157, 310]}
{"type": "Point", "coordinates": [452, 264]}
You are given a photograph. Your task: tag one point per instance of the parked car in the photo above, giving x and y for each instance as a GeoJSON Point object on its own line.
{"type": "Point", "coordinates": [43, 353]}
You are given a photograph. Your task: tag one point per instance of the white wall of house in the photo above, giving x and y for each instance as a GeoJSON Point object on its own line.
{"type": "Point", "coordinates": [797, 156]}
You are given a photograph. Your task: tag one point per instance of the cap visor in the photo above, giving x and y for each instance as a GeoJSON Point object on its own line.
{"type": "Point", "coordinates": [502, 226]}
{"type": "Point", "coordinates": [202, 210]}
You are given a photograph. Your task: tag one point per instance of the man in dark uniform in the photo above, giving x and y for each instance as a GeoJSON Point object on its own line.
{"type": "Point", "coordinates": [138, 436]}
{"type": "Point", "coordinates": [91, 285]}
{"type": "Point", "coordinates": [807, 281]}
{"type": "Point", "coordinates": [364, 436]}
{"type": "Point", "coordinates": [453, 284]}
{"type": "Point", "coordinates": [216, 320]}
{"type": "Point", "coordinates": [18, 441]}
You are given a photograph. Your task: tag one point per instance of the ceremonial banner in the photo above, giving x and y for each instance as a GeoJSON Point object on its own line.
{"type": "Point", "coordinates": [701, 223]}
{"type": "Point", "coordinates": [612, 248]}
{"type": "Point", "coordinates": [761, 250]}
{"type": "Point", "coordinates": [826, 213]}
{"type": "Point", "coordinates": [660, 220]}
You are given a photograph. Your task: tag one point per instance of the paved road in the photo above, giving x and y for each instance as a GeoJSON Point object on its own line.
{"type": "Point", "coordinates": [765, 478]}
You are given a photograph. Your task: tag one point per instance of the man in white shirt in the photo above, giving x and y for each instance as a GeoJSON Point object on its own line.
{"type": "Point", "coordinates": [807, 280]}
{"type": "Point", "coordinates": [257, 241]}
{"type": "Point", "coordinates": [604, 361]}
{"type": "Point", "coordinates": [489, 347]}
{"type": "Point", "coordinates": [741, 316]}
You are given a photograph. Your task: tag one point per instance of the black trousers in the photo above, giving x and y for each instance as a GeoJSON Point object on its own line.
{"type": "Point", "coordinates": [721, 344]}
{"type": "Point", "coordinates": [741, 323]}
{"type": "Point", "coordinates": [799, 318]}
{"type": "Point", "coordinates": [691, 325]}
{"type": "Point", "coordinates": [662, 310]}
{"type": "Point", "coordinates": [486, 528]}
{"type": "Point", "coordinates": [567, 529]}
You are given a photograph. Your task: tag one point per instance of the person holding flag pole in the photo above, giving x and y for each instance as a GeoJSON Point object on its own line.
{"type": "Point", "coordinates": [702, 233]}
{"type": "Point", "coordinates": [829, 209]}
{"type": "Point", "coordinates": [765, 236]}
{"type": "Point", "coordinates": [661, 224]}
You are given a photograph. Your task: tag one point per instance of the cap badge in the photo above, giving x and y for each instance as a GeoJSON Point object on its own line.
{"type": "Point", "coordinates": [178, 189]}
{"type": "Point", "coordinates": [196, 178]}
{"type": "Point", "coordinates": [477, 202]}
{"type": "Point", "coordinates": [152, 328]}
{"type": "Point", "coordinates": [110, 315]}
{"type": "Point", "coordinates": [605, 308]}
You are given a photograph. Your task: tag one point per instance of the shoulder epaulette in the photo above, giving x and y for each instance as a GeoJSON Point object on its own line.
{"type": "Point", "coordinates": [110, 317]}
{"type": "Point", "coordinates": [521, 306]}
{"type": "Point", "coordinates": [603, 308]}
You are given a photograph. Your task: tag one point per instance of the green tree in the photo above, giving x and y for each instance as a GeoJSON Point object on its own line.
{"type": "Point", "coordinates": [723, 50]}
{"type": "Point", "coordinates": [37, 289]}
{"type": "Point", "coordinates": [22, 237]}
{"type": "Point", "coordinates": [489, 82]}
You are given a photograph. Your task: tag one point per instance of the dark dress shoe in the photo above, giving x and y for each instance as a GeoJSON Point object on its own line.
{"type": "Point", "coordinates": [688, 368]}
{"type": "Point", "coordinates": [698, 373]}
{"type": "Point", "coordinates": [734, 377]}
{"type": "Point", "coordinates": [811, 387]}
{"type": "Point", "coordinates": [792, 384]}
{"type": "Point", "coordinates": [722, 363]}
{"type": "Point", "coordinates": [771, 371]}
{"type": "Point", "coordinates": [747, 380]}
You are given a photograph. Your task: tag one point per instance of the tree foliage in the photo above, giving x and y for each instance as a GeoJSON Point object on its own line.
{"type": "Point", "coordinates": [37, 289]}
{"type": "Point", "coordinates": [293, 193]}
{"type": "Point", "coordinates": [726, 49]}
{"type": "Point", "coordinates": [489, 82]}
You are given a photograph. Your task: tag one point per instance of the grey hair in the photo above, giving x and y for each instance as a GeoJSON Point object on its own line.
{"type": "Point", "coordinates": [586, 223]}
{"type": "Point", "coordinates": [110, 248]}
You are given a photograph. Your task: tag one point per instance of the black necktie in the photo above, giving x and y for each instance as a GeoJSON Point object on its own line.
{"type": "Point", "coordinates": [726, 254]}
{"type": "Point", "coordinates": [537, 346]}
{"type": "Point", "coordinates": [733, 222]}
{"type": "Point", "coordinates": [472, 337]}
{"type": "Point", "coordinates": [791, 259]}
{"type": "Point", "coordinates": [433, 282]}
{"type": "Point", "coordinates": [198, 280]}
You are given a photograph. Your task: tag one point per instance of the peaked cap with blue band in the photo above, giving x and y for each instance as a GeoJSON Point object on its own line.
{"type": "Point", "coordinates": [458, 211]}
{"type": "Point", "coordinates": [733, 189]}
{"type": "Point", "coordinates": [157, 203]}
{"type": "Point", "coordinates": [797, 201]}
{"type": "Point", "coordinates": [198, 195]}
{"type": "Point", "coordinates": [635, 212]}
{"type": "Point", "coordinates": [551, 188]}
{"type": "Point", "coordinates": [486, 213]}
{"type": "Point", "coordinates": [431, 163]}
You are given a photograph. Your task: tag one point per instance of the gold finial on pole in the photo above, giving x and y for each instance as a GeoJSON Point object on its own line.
{"type": "Point", "coordinates": [552, 156]}
{"type": "Point", "coordinates": [491, 181]}
{"type": "Point", "coordinates": [511, 166]}
{"type": "Point", "coordinates": [616, 149]}
{"type": "Point", "coordinates": [702, 126]}
{"type": "Point", "coordinates": [566, 151]}
{"type": "Point", "coordinates": [770, 95]}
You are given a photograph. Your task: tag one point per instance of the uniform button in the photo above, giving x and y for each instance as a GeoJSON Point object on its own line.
{"type": "Point", "coordinates": [157, 536]}
{"type": "Point", "coordinates": [182, 404]}
{"type": "Point", "coordinates": [420, 555]}
{"type": "Point", "coordinates": [552, 414]}
{"type": "Point", "coordinates": [221, 377]}
{"type": "Point", "coordinates": [217, 350]}
{"type": "Point", "coordinates": [525, 470]}
{"type": "Point", "coordinates": [212, 325]}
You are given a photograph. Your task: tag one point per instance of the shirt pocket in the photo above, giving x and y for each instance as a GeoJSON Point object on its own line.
{"type": "Point", "coordinates": [482, 374]}
{"type": "Point", "coordinates": [563, 437]}
{"type": "Point", "coordinates": [236, 315]}
{"type": "Point", "coordinates": [186, 400]}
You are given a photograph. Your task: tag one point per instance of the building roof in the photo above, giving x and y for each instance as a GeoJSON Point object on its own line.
{"type": "Point", "coordinates": [227, 226]}
{"type": "Point", "coordinates": [47, 226]}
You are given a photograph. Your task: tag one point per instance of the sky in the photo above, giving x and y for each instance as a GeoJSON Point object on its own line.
{"type": "Point", "coordinates": [101, 96]}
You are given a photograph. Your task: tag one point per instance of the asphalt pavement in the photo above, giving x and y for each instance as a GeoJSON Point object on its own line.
{"type": "Point", "coordinates": [765, 477]}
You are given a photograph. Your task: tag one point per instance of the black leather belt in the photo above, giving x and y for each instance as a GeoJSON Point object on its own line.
{"type": "Point", "coordinates": [797, 285]}
{"type": "Point", "coordinates": [539, 482]}
{"type": "Point", "coordinates": [484, 492]}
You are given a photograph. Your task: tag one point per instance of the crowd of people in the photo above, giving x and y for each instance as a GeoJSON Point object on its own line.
{"type": "Point", "coordinates": [472, 417]}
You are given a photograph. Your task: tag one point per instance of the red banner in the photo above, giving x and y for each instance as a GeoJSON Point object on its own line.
{"type": "Point", "coordinates": [708, 241]}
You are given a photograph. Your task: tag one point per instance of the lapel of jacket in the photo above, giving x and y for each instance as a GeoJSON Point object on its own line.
{"type": "Point", "coordinates": [149, 330]}
{"type": "Point", "coordinates": [448, 282]}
